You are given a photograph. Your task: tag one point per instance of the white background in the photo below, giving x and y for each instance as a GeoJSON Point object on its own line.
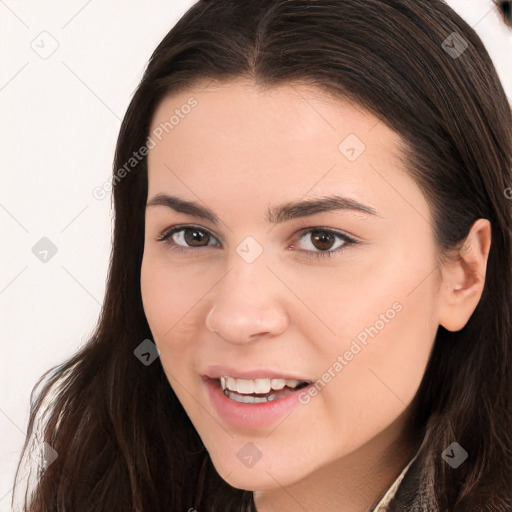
{"type": "Point", "coordinates": [59, 122]}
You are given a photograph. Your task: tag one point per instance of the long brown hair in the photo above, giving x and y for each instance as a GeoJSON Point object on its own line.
{"type": "Point", "coordinates": [123, 440]}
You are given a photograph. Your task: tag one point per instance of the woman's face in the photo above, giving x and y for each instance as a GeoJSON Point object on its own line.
{"type": "Point", "coordinates": [266, 286]}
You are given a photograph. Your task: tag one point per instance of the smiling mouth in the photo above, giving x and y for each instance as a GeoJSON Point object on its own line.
{"type": "Point", "coordinates": [244, 390]}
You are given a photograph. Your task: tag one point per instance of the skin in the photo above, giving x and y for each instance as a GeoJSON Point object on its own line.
{"type": "Point", "coordinates": [237, 152]}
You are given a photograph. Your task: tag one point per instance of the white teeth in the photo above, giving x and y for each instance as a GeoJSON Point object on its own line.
{"type": "Point", "coordinates": [244, 386]}
{"type": "Point", "coordinates": [248, 399]}
{"type": "Point", "coordinates": [231, 383]}
{"type": "Point", "coordinates": [260, 386]}
{"type": "Point", "coordinates": [280, 383]}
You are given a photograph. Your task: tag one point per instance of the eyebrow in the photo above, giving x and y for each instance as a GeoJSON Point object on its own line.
{"type": "Point", "coordinates": [275, 215]}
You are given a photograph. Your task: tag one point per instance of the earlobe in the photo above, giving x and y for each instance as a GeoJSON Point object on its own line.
{"type": "Point", "coordinates": [463, 278]}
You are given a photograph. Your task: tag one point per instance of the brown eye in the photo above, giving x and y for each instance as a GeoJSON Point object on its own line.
{"type": "Point", "coordinates": [322, 242]}
{"type": "Point", "coordinates": [195, 237]}
{"type": "Point", "coordinates": [187, 237]}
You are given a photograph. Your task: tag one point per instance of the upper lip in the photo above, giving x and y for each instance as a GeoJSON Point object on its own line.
{"type": "Point", "coordinates": [217, 371]}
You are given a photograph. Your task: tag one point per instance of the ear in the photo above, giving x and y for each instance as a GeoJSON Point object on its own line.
{"type": "Point", "coordinates": [463, 278]}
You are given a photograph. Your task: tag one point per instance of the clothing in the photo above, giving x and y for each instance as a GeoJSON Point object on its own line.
{"type": "Point", "coordinates": [390, 493]}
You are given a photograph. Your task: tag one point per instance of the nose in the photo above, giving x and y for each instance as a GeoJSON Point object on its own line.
{"type": "Point", "coordinates": [248, 304]}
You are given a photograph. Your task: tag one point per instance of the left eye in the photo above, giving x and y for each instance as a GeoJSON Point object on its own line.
{"type": "Point", "coordinates": [185, 238]}
{"type": "Point", "coordinates": [322, 240]}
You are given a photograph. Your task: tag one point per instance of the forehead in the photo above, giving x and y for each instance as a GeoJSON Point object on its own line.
{"type": "Point", "coordinates": [279, 116]}
{"type": "Point", "coordinates": [285, 141]}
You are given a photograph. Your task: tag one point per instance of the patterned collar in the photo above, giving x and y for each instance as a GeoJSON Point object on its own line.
{"type": "Point", "coordinates": [390, 493]}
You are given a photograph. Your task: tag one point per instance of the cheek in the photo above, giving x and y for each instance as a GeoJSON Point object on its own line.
{"type": "Point", "coordinates": [171, 301]}
{"type": "Point", "coordinates": [163, 306]}
{"type": "Point", "coordinates": [385, 325]}
{"type": "Point", "coordinates": [403, 355]}
{"type": "Point", "coordinates": [153, 285]}
{"type": "Point", "coordinates": [383, 364]}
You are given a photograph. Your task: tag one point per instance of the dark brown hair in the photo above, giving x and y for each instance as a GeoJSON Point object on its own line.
{"type": "Point", "coordinates": [123, 440]}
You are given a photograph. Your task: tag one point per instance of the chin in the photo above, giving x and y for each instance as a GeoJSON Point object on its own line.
{"type": "Point", "coordinates": [260, 477]}
{"type": "Point", "coordinates": [255, 482]}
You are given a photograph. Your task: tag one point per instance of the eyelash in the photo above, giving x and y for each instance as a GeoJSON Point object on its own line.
{"type": "Point", "coordinates": [165, 237]}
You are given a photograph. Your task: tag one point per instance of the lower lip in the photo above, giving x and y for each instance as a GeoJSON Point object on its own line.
{"type": "Point", "coordinates": [242, 415]}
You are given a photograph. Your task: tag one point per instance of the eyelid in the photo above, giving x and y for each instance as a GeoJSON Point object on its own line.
{"type": "Point", "coordinates": [348, 240]}
{"type": "Point", "coordinates": [334, 231]}
{"type": "Point", "coordinates": [303, 228]}
{"type": "Point", "coordinates": [167, 232]}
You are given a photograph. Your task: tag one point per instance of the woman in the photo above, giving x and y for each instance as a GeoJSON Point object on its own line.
{"type": "Point", "coordinates": [309, 299]}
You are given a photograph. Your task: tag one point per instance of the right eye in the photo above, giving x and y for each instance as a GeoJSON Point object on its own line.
{"type": "Point", "coordinates": [186, 238]}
